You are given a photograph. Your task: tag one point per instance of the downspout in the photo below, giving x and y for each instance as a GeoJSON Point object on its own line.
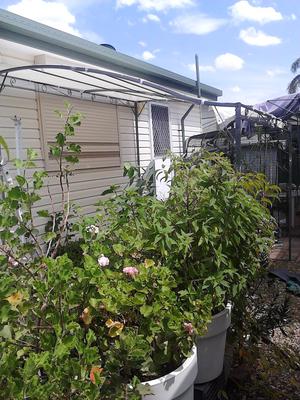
{"type": "Point", "coordinates": [238, 131]}
{"type": "Point", "coordinates": [290, 193]}
{"type": "Point", "coordinates": [182, 127]}
{"type": "Point", "coordinates": [137, 139]}
{"type": "Point", "coordinates": [192, 106]}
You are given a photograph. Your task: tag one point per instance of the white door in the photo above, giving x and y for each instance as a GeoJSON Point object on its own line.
{"type": "Point", "coordinates": [161, 143]}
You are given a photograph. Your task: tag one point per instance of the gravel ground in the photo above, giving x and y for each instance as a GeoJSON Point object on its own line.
{"type": "Point", "coordinates": [273, 372]}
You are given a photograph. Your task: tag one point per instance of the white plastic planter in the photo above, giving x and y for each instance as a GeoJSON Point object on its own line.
{"type": "Point", "coordinates": [211, 347]}
{"type": "Point", "coordinates": [178, 385]}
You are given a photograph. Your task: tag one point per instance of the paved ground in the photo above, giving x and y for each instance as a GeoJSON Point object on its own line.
{"type": "Point", "coordinates": [280, 251]}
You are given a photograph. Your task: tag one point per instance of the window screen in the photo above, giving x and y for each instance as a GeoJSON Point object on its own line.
{"type": "Point", "coordinates": [160, 129]}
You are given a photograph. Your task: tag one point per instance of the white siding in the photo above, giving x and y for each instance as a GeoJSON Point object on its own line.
{"type": "Point", "coordinates": [87, 185]}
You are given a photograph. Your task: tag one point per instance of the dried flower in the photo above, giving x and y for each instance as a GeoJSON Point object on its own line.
{"type": "Point", "coordinates": [103, 261]}
{"type": "Point", "coordinates": [15, 299]}
{"type": "Point", "coordinates": [115, 327]}
{"type": "Point", "coordinates": [131, 271]}
{"type": "Point", "coordinates": [95, 370]}
{"type": "Point", "coordinates": [188, 327]}
{"type": "Point", "coordinates": [86, 316]}
{"type": "Point", "coordinates": [93, 229]}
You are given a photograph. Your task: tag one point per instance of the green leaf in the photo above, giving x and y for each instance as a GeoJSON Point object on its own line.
{"type": "Point", "coordinates": [90, 337]}
{"type": "Point", "coordinates": [146, 310]}
{"type": "Point", "coordinates": [21, 180]}
{"type": "Point", "coordinates": [31, 154]}
{"type": "Point", "coordinates": [144, 389]}
{"type": "Point", "coordinates": [72, 159]}
{"type": "Point", "coordinates": [49, 236]}
{"type": "Point", "coordinates": [55, 151]}
{"type": "Point", "coordinates": [43, 213]}
{"type": "Point", "coordinates": [6, 332]}
{"type": "Point", "coordinates": [60, 139]}
{"type": "Point", "coordinates": [119, 249]}
{"type": "Point", "coordinates": [76, 148]}
{"type": "Point", "coordinates": [4, 145]}
{"type": "Point", "coordinates": [18, 163]}
{"type": "Point", "coordinates": [111, 189]}
{"type": "Point", "coordinates": [16, 193]}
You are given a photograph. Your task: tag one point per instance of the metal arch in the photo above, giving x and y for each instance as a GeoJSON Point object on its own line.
{"type": "Point", "coordinates": [150, 86]}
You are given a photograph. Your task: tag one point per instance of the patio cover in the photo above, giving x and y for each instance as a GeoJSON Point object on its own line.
{"type": "Point", "coordinates": [89, 83]}
{"type": "Point", "coordinates": [284, 107]}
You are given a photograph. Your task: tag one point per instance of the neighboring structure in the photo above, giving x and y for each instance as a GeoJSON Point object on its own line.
{"type": "Point", "coordinates": [133, 109]}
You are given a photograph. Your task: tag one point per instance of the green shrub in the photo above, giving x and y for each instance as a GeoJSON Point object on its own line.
{"type": "Point", "coordinates": [93, 318]}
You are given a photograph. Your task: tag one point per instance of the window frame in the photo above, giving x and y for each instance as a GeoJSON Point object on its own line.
{"type": "Point", "coordinates": [166, 105]}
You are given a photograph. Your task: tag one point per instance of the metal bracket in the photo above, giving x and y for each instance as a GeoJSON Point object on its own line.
{"type": "Point", "coordinates": [3, 82]}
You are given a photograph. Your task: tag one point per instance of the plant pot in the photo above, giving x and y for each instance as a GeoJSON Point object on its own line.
{"type": "Point", "coordinates": [177, 385]}
{"type": "Point", "coordinates": [211, 347]}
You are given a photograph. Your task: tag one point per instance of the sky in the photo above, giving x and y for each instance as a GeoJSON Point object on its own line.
{"type": "Point", "coordinates": [245, 48]}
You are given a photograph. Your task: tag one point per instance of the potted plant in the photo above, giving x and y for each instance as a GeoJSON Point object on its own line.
{"type": "Point", "coordinates": [211, 232]}
{"type": "Point", "coordinates": [224, 214]}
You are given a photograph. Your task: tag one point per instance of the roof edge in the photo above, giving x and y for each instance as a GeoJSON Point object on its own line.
{"type": "Point", "coordinates": [30, 33]}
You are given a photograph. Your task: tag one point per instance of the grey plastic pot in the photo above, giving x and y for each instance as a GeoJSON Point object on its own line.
{"type": "Point", "coordinates": [178, 385]}
{"type": "Point", "coordinates": [211, 347]}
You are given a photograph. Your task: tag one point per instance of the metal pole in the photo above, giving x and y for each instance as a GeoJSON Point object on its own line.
{"type": "Point", "coordinates": [198, 88]}
{"type": "Point", "coordinates": [137, 138]}
{"type": "Point", "coordinates": [198, 76]}
{"type": "Point", "coordinates": [19, 156]}
{"type": "Point", "coordinates": [19, 140]}
{"type": "Point", "coordinates": [238, 131]}
{"type": "Point", "coordinates": [290, 195]}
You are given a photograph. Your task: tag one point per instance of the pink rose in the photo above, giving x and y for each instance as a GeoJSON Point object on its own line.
{"type": "Point", "coordinates": [188, 327]}
{"type": "Point", "coordinates": [130, 271]}
{"type": "Point", "coordinates": [103, 261]}
{"type": "Point", "coordinates": [12, 262]}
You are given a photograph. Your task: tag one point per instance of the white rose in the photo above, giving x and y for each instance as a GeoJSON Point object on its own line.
{"type": "Point", "coordinates": [103, 261]}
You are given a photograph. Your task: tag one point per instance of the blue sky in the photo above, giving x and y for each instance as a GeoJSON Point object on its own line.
{"type": "Point", "coordinates": [245, 47]}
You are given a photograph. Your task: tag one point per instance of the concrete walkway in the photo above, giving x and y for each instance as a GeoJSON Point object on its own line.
{"type": "Point", "coordinates": [280, 251]}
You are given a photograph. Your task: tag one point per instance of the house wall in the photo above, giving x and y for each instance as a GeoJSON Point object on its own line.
{"type": "Point", "coordinates": [86, 185]}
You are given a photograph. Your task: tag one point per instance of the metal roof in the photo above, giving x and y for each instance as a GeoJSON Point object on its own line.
{"type": "Point", "coordinates": [30, 33]}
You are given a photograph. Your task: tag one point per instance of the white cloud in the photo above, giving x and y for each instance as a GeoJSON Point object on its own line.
{"type": "Point", "coordinates": [244, 11]}
{"type": "Point", "coordinates": [158, 5]}
{"type": "Point", "coordinates": [54, 14]}
{"type": "Point", "coordinates": [142, 44]}
{"type": "Point", "coordinates": [197, 24]}
{"type": "Point", "coordinates": [229, 62]}
{"type": "Point", "coordinates": [151, 17]}
{"type": "Point", "coordinates": [273, 72]}
{"type": "Point", "coordinates": [92, 37]}
{"type": "Point", "coordinates": [235, 89]}
{"type": "Point", "coordinates": [202, 68]}
{"type": "Point", "coordinates": [258, 38]}
{"type": "Point", "coordinates": [148, 55]}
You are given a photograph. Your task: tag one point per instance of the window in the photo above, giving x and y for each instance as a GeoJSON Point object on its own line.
{"type": "Point", "coordinates": [98, 134]}
{"type": "Point", "coordinates": [160, 130]}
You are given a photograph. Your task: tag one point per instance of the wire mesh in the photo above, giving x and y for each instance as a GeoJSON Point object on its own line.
{"type": "Point", "coordinates": [160, 129]}
{"type": "Point", "coordinates": [264, 149]}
